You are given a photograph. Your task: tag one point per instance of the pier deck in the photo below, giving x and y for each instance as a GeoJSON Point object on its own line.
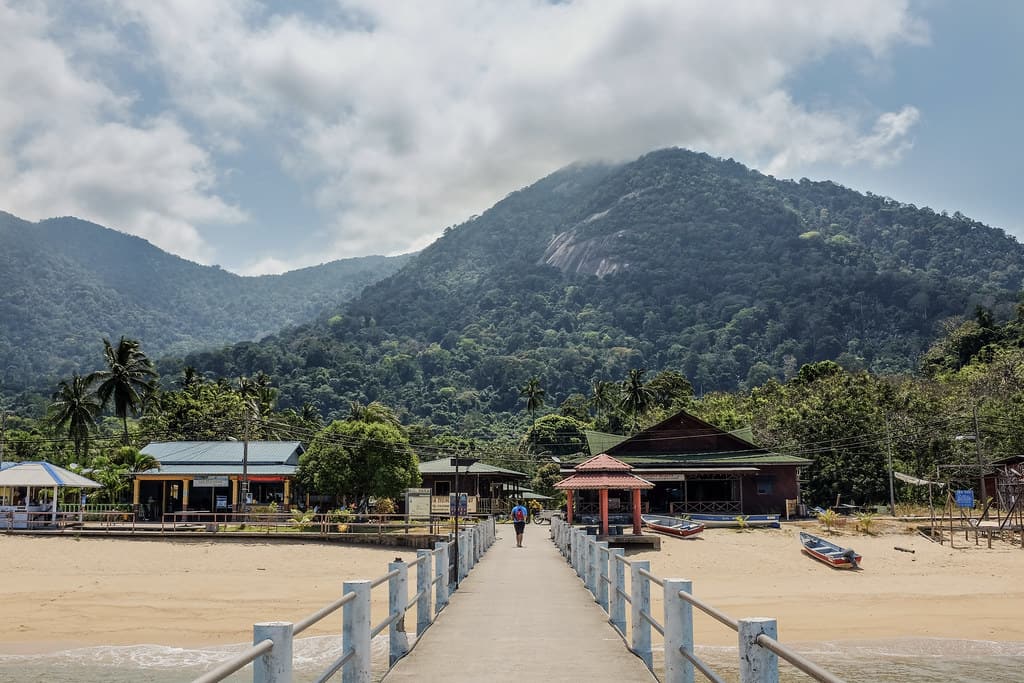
{"type": "Point", "coordinates": [521, 615]}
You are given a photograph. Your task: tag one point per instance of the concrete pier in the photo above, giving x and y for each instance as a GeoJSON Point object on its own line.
{"type": "Point", "coordinates": [521, 615]}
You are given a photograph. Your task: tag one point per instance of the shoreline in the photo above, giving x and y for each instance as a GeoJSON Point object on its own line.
{"type": "Point", "coordinates": [62, 594]}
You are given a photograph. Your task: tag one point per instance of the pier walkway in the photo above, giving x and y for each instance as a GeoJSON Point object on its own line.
{"type": "Point", "coordinates": [521, 615]}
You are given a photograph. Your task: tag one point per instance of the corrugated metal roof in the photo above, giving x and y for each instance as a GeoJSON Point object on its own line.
{"type": "Point", "coordinates": [196, 453]}
{"type": "Point", "coordinates": [444, 466]}
{"type": "Point", "coordinates": [204, 470]}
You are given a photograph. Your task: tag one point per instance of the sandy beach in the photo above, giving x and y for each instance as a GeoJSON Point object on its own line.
{"type": "Point", "coordinates": [63, 592]}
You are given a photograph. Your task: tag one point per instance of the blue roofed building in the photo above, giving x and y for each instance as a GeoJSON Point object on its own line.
{"type": "Point", "coordinates": [207, 476]}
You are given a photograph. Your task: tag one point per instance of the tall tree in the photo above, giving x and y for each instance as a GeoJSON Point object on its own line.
{"type": "Point", "coordinates": [534, 395]}
{"type": "Point", "coordinates": [126, 379]}
{"type": "Point", "coordinates": [637, 397]}
{"type": "Point", "coordinates": [75, 408]}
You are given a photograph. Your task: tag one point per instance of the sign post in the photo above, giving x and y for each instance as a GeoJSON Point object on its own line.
{"type": "Point", "coordinates": [458, 506]}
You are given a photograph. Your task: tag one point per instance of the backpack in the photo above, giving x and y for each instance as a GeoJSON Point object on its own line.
{"type": "Point", "coordinates": [518, 515]}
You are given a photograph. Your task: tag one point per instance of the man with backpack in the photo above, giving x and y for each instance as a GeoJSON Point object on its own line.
{"type": "Point", "coordinates": [519, 515]}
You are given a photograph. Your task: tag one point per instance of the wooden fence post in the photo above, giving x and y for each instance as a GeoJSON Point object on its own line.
{"type": "Point", "coordinates": [757, 665]}
{"type": "Point", "coordinates": [274, 666]}
{"type": "Point", "coordinates": [678, 632]}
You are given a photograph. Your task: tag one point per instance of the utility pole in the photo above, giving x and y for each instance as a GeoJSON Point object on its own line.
{"type": "Point", "coordinates": [244, 486]}
{"type": "Point", "coordinates": [981, 465]}
{"type": "Point", "coordinates": [3, 430]}
{"type": "Point", "coordinates": [892, 489]}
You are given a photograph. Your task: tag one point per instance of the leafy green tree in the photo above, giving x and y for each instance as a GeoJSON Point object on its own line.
{"type": "Point", "coordinates": [356, 460]}
{"type": "Point", "coordinates": [133, 460]}
{"type": "Point", "coordinates": [544, 481]}
{"type": "Point", "coordinates": [557, 435]}
{"type": "Point", "coordinates": [75, 408]}
{"type": "Point", "coordinates": [114, 479]}
{"type": "Point", "coordinates": [126, 379]}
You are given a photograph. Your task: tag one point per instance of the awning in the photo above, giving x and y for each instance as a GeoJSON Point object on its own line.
{"type": "Point", "coordinates": [265, 477]}
{"type": "Point", "coordinates": [914, 480]}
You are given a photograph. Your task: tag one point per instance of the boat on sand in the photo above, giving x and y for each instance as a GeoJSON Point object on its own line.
{"type": "Point", "coordinates": [735, 521]}
{"type": "Point", "coordinates": [828, 552]}
{"type": "Point", "coordinates": [673, 526]}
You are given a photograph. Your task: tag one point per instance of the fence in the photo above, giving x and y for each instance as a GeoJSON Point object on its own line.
{"type": "Point", "coordinates": [438, 572]}
{"type": "Point", "coordinates": [603, 571]}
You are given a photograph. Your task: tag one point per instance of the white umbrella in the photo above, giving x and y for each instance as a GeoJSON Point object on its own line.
{"type": "Point", "coordinates": [44, 475]}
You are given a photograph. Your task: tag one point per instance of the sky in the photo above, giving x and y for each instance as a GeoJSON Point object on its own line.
{"type": "Point", "coordinates": [266, 136]}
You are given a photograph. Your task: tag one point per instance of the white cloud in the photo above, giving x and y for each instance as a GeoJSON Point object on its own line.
{"type": "Point", "coordinates": [69, 146]}
{"type": "Point", "coordinates": [402, 118]}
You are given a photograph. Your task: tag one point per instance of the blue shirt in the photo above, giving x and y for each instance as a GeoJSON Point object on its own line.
{"type": "Point", "coordinates": [515, 513]}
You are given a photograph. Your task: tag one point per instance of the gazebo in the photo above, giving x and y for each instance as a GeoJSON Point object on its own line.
{"type": "Point", "coordinates": [600, 473]}
{"type": "Point", "coordinates": [38, 475]}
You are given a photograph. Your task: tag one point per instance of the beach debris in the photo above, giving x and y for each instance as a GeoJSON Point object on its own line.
{"type": "Point", "coordinates": [904, 550]}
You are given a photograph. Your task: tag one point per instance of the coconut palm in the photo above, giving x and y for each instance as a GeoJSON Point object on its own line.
{"type": "Point", "coordinates": [126, 380]}
{"type": "Point", "coordinates": [534, 395]}
{"type": "Point", "coordinates": [637, 397]}
{"type": "Point", "coordinates": [75, 407]}
{"type": "Point", "coordinates": [134, 460]}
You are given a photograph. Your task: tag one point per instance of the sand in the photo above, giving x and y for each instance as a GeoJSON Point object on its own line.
{"type": "Point", "coordinates": [62, 592]}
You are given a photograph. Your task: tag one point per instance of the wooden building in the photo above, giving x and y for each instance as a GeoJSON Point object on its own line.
{"type": "Point", "coordinates": [487, 487]}
{"type": "Point", "coordinates": [697, 467]}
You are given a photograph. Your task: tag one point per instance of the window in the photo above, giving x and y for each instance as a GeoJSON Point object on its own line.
{"type": "Point", "coordinates": [765, 485]}
{"type": "Point", "coordinates": [442, 488]}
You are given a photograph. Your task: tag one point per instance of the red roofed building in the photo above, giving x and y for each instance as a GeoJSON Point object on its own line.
{"type": "Point", "coordinates": [602, 473]}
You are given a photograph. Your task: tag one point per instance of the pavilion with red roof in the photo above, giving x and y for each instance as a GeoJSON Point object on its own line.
{"type": "Point", "coordinates": [601, 473]}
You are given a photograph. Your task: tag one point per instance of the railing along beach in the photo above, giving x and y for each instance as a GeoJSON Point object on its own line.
{"type": "Point", "coordinates": [603, 571]}
{"type": "Point", "coordinates": [438, 573]}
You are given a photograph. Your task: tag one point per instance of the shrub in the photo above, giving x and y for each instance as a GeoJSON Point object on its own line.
{"type": "Point", "coordinates": [865, 520]}
{"type": "Point", "coordinates": [829, 519]}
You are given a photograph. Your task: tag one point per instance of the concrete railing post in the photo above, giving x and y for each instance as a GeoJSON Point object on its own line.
{"type": "Point", "coordinates": [678, 632]}
{"type": "Point", "coordinates": [441, 571]}
{"type": "Point", "coordinates": [424, 572]}
{"type": "Point", "coordinates": [274, 666]}
{"type": "Point", "coordinates": [398, 598]}
{"type": "Point", "coordinates": [355, 633]}
{"type": "Point", "coordinates": [593, 550]}
{"type": "Point", "coordinates": [640, 595]}
{"type": "Point", "coordinates": [616, 603]}
{"type": "Point", "coordinates": [470, 549]}
{"type": "Point", "coordinates": [757, 665]}
{"type": "Point", "coordinates": [602, 574]}
{"type": "Point", "coordinates": [461, 560]}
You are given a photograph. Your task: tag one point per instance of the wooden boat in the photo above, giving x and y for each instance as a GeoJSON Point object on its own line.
{"type": "Point", "coordinates": [672, 525]}
{"type": "Point", "coordinates": [733, 521]}
{"type": "Point", "coordinates": [829, 553]}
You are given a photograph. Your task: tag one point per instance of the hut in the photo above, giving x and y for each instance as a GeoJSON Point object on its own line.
{"type": "Point", "coordinates": [603, 473]}
{"type": "Point", "coordinates": [29, 477]}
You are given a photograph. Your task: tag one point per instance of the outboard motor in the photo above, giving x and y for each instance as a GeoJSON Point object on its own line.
{"type": "Point", "coordinates": [851, 557]}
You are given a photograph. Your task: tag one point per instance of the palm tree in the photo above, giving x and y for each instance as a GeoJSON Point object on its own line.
{"type": "Point", "coordinates": [637, 397]}
{"type": "Point", "coordinates": [134, 460]}
{"type": "Point", "coordinates": [534, 395]}
{"type": "Point", "coordinates": [604, 397]}
{"type": "Point", "coordinates": [126, 379]}
{"type": "Point", "coordinates": [75, 407]}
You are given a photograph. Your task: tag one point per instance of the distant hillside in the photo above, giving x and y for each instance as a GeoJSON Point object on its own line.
{"type": "Point", "coordinates": [675, 261]}
{"type": "Point", "coordinates": [66, 283]}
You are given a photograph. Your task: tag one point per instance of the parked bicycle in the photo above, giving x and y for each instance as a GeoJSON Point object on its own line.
{"type": "Point", "coordinates": [542, 516]}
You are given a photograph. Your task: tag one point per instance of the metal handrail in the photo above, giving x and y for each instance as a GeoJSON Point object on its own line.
{"type": "Point", "coordinates": [392, 618]}
{"type": "Point", "coordinates": [800, 662]}
{"type": "Point", "coordinates": [710, 611]}
{"type": "Point", "coordinates": [336, 666]}
{"type": "Point", "coordinates": [701, 666]}
{"type": "Point", "coordinates": [651, 577]}
{"type": "Point", "coordinates": [384, 579]}
{"type": "Point", "coordinates": [649, 618]}
{"type": "Point", "coordinates": [303, 624]}
{"type": "Point", "coordinates": [237, 663]}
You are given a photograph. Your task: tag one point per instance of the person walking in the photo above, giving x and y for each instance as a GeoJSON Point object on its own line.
{"type": "Point", "coordinates": [519, 515]}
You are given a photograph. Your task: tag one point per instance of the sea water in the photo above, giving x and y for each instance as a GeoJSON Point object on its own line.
{"type": "Point", "coordinates": [882, 661]}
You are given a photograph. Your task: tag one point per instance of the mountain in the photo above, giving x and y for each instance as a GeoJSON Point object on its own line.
{"type": "Point", "coordinates": [674, 261]}
{"type": "Point", "coordinates": [67, 283]}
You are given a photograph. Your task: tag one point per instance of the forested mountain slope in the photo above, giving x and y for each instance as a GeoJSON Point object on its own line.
{"type": "Point", "coordinates": [675, 261]}
{"type": "Point", "coordinates": [66, 283]}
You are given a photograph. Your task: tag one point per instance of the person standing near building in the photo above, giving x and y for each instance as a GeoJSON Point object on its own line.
{"type": "Point", "coordinates": [519, 515]}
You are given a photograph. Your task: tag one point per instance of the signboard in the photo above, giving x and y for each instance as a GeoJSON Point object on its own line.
{"type": "Point", "coordinates": [222, 502]}
{"type": "Point", "coordinates": [417, 503]}
{"type": "Point", "coordinates": [458, 508]}
{"type": "Point", "coordinates": [210, 481]}
{"type": "Point", "coordinates": [965, 499]}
